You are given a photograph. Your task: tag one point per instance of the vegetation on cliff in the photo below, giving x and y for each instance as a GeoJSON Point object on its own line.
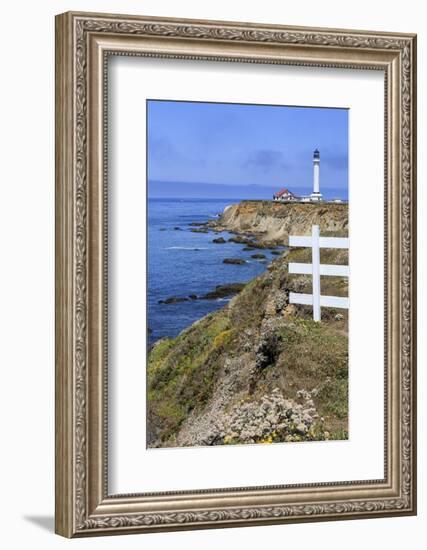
{"type": "Point", "coordinates": [258, 370]}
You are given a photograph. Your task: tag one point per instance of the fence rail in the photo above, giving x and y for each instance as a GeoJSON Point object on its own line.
{"type": "Point", "coordinates": [325, 269]}
{"type": "Point", "coordinates": [316, 269]}
{"type": "Point", "coordinates": [325, 301]}
{"type": "Point", "coordinates": [324, 242]}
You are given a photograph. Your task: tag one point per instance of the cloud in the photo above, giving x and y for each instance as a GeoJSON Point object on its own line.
{"type": "Point", "coordinates": [265, 161]}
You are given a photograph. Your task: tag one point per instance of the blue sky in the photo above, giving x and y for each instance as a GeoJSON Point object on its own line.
{"type": "Point", "coordinates": [245, 145]}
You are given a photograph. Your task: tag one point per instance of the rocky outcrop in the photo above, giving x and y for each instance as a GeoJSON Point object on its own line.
{"type": "Point", "coordinates": [222, 291]}
{"type": "Point", "coordinates": [173, 300]}
{"type": "Point", "coordinates": [273, 222]}
{"type": "Point", "coordinates": [234, 261]}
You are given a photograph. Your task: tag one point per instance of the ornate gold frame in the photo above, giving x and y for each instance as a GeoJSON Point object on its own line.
{"type": "Point", "coordinates": [83, 42]}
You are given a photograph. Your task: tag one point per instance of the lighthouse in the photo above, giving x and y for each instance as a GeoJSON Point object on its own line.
{"type": "Point", "coordinates": [316, 195]}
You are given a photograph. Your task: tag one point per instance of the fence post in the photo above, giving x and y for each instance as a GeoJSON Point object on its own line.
{"type": "Point", "coordinates": [315, 261]}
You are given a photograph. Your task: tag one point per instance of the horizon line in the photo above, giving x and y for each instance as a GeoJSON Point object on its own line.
{"type": "Point", "coordinates": [236, 184]}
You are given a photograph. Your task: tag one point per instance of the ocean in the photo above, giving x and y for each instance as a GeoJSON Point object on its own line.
{"type": "Point", "coordinates": [182, 262]}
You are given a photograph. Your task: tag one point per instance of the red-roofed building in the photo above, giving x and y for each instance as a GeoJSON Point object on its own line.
{"type": "Point", "coordinates": [284, 195]}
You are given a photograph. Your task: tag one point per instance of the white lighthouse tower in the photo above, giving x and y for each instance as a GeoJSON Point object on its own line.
{"type": "Point", "coordinates": [316, 195]}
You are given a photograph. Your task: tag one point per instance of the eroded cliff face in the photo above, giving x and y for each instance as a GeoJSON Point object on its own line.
{"type": "Point", "coordinates": [274, 222]}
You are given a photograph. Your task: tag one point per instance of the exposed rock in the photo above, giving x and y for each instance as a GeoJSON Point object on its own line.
{"type": "Point", "coordinates": [268, 350]}
{"type": "Point", "coordinates": [300, 284]}
{"type": "Point", "coordinates": [276, 303]}
{"type": "Point", "coordinates": [251, 245]}
{"type": "Point", "coordinates": [274, 222]}
{"type": "Point", "coordinates": [173, 300]}
{"type": "Point", "coordinates": [273, 418]}
{"type": "Point", "coordinates": [193, 296]}
{"type": "Point", "coordinates": [219, 240]}
{"type": "Point", "coordinates": [258, 256]}
{"type": "Point", "coordinates": [236, 261]}
{"type": "Point", "coordinates": [199, 230]}
{"type": "Point", "coordinates": [240, 239]}
{"type": "Point", "coordinates": [224, 290]}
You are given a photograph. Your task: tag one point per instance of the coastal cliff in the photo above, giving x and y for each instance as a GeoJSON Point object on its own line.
{"type": "Point", "coordinates": [259, 370]}
{"type": "Point", "coordinates": [274, 221]}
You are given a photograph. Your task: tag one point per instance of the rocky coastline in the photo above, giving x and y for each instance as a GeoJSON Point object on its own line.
{"type": "Point", "coordinates": [258, 370]}
{"type": "Point", "coordinates": [268, 223]}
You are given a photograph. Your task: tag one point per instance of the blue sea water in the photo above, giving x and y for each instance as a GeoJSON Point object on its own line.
{"type": "Point", "coordinates": [181, 262]}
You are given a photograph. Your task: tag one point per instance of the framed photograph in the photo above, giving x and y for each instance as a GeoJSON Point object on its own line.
{"type": "Point", "coordinates": [235, 274]}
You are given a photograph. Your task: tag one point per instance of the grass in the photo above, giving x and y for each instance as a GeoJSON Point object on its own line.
{"type": "Point", "coordinates": [314, 356]}
{"type": "Point", "coordinates": [182, 371]}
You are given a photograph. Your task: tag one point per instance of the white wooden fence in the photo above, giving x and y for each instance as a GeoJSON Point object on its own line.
{"type": "Point", "coordinates": [316, 269]}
